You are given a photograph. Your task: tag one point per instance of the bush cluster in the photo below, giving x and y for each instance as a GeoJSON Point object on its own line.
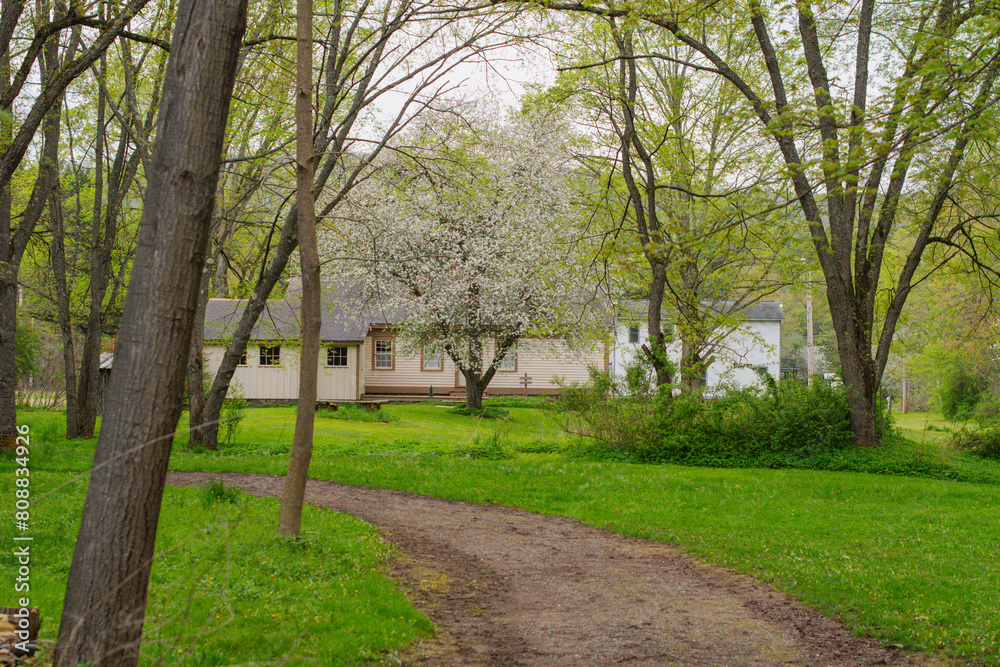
{"type": "Point", "coordinates": [774, 426]}
{"type": "Point", "coordinates": [961, 393]}
{"type": "Point", "coordinates": [983, 438]}
{"type": "Point", "coordinates": [983, 441]}
{"type": "Point", "coordinates": [355, 413]}
{"type": "Point", "coordinates": [488, 412]}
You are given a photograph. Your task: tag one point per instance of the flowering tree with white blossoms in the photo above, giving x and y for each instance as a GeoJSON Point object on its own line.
{"type": "Point", "coordinates": [471, 242]}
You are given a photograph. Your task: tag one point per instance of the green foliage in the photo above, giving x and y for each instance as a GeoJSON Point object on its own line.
{"type": "Point", "coordinates": [778, 426]}
{"type": "Point", "coordinates": [233, 412]}
{"type": "Point", "coordinates": [987, 411]}
{"type": "Point", "coordinates": [356, 413]}
{"type": "Point", "coordinates": [539, 402]}
{"type": "Point", "coordinates": [983, 441]}
{"type": "Point", "coordinates": [597, 410]}
{"type": "Point", "coordinates": [27, 345]}
{"type": "Point", "coordinates": [488, 412]}
{"type": "Point", "coordinates": [489, 448]}
{"type": "Point", "coordinates": [216, 491]}
{"type": "Point", "coordinates": [960, 393]}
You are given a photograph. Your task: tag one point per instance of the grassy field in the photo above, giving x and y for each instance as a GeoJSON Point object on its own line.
{"type": "Point", "coordinates": [924, 427]}
{"type": "Point", "coordinates": [224, 589]}
{"type": "Point", "coordinates": [909, 561]}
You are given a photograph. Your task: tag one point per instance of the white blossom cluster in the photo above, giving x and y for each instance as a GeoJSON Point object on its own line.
{"type": "Point", "coordinates": [469, 235]}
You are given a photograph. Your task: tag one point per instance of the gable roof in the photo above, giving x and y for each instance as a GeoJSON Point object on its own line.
{"type": "Point", "coordinates": [762, 311]}
{"type": "Point", "coordinates": [347, 315]}
{"type": "Point", "coordinates": [280, 321]}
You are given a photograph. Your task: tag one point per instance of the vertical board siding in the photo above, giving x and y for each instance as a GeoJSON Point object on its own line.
{"type": "Point", "coordinates": [278, 383]}
{"type": "Point", "coordinates": [544, 360]}
{"type": "Point", "coordinates": [550, 363]}
{"type": "Point", "coordinates": [407, 375]}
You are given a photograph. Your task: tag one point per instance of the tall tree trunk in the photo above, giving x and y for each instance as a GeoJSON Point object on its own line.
{"type": "Point", "coordinates": [91, 353]}
{"type": "Point", "coordinates": [859, 376]}
{"type": "Point", "coordinates": [196, 361]}
{"type": "Point", "coordinates": [241, 334]}
{"type": "Point", "coordinates": [58, 249]}
{"type": "Point", "coordinates": [58, 258]}
{"type": "Point", "coordinates": [10, 254]}
{"type": "Point", "coordinates": [293, 494]}
{"type": "Point", "coordinates": [120, 177]}
{"type": "Point", "coordinates": [8, 415]}
{"type": "Point", "coordinates": [473, 390]}
{"type": "Point", "coordinates": [654, 323]}
{"type": "Point", "coordinates": [105, 600]}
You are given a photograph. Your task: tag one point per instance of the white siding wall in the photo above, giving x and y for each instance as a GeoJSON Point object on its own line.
{"type": "Point", "coordinates": [282, 382]}
{"type": "Point", "coordinates": [548, 362]}
{"type": "Point", "coordinates": [755, 344]}
{"type": "Point", "coordinates": [407, 375]}
{"type": "Point", "coordinates": [542, 360]}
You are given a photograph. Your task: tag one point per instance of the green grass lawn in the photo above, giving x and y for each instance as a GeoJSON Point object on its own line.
{"type": "Point", "coordinates": [909, 561]}
{"type": "Point", "coordinates": [224, 588]}
{"type": "Point", "coordinates": [412, 427]}
{"type": "Point", "coordinates": [922, 427]}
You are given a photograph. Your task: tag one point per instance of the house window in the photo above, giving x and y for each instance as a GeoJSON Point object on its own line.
{"type": "Point", "coordinates": [383, 354]}
{"type": "Point", "coordinates": [243, 358]}
{"type": "Point", "coordinates": [270, 355]}
{"type": "Point", "coordinates": [336, 356]}
{"type": "Point", "coordinates": [633, 334]}
{"type": "Point", "coordinates": [509, 361]}
{"type": "Point", "coordinates": [431, 358]}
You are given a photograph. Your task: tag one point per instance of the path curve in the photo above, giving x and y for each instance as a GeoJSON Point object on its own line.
{"type": "Point", "coordinates": [506, 587]}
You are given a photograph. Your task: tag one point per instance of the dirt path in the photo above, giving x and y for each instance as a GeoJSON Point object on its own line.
{"type": "Point", "coordinates": [506, 587]}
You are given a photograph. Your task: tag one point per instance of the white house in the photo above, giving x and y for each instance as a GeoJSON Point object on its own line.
{"type": "Point", "coordinates": [753, 345]}
{"type": "Point", "coordinates": [361, 356]}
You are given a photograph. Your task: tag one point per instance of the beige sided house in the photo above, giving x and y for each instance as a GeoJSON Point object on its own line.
{"type": "Point", "coordinates": [361, 357]}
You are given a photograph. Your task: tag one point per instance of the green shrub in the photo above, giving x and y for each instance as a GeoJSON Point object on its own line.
{"type": "Point", "coordinates": [233, 411]}
{"type": "Point", "coordinates": [772, 426]}
{"type": "Point", "coordinates": [356, 413]}
{"type": "Point", "coordinates": [489, 448]}
{"type": "Point", "coordinates": [216, 491]}
{"type": "Point", "coordinates": [983, 441]}
{"type": "Point", "coordinates": [488, 412]}
{"type": "Point", "coordinates": [960, 394]}
{"type": "Point", "coordinates": [987, 411]}
{"type": "Point", "coordinates": [540, 447]}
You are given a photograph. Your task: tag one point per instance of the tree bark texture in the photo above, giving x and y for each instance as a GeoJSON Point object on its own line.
{"type": "Point", "coordinates": [106, 593]}
{"type": "Point", "coordinates": [293, 494]}
{"type": "Point", "coordinates": [196, 360]}
{"type": "Point", "coordinates": [8, 415]}
{"type": "Point", "coordinates": [107, 208]}
{"type": "Point", "coordinates": [48, 174]}
{"type": "Point", "coordinates": [57, 253]}
{"type": "Point", "coordinates": [12, 150]}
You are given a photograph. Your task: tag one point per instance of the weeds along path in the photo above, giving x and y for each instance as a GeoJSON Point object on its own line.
{"type": "Point", "coordinates": [505, 587]}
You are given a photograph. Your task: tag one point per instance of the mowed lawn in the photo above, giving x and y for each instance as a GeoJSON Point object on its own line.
{"type": "Point", "coordinates": [913, 562]}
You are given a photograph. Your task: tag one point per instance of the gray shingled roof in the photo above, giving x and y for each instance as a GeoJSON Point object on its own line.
{"type": "Point", "coordinates": [347, 315]}
{"type": "Point", "coordinates": [762, 311]}
{"type": "Point", "coordinates": [280, 321]}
